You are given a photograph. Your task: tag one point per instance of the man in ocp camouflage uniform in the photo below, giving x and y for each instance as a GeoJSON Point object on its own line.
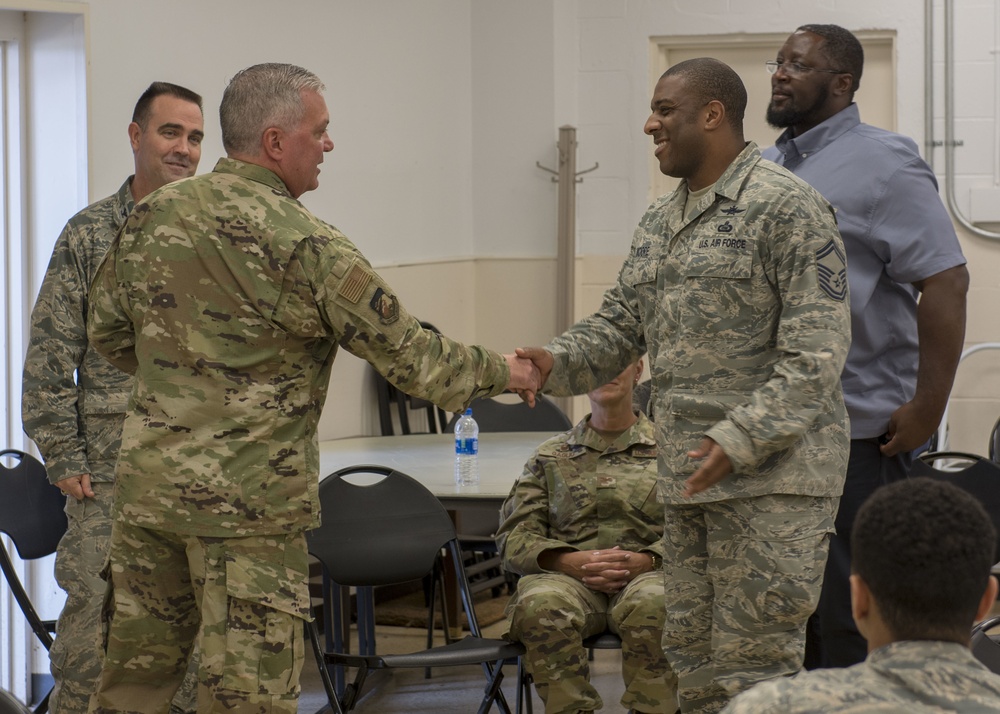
{"type": "Point", "coordinates": [584, 528]}
{"type": "Point", "coordinates": [921, 556]}
{"type": "Point", "coordinates": [229, 300]}
{"type": "Point", "coordinates": [74, 401]}
{"type": "Point", "coordinates": [736, 286]}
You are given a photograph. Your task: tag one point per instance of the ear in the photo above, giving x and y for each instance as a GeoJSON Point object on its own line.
{"type": "Point", "coordinates": [272, 143]}
{"type": "Point", "coordinates": [841, 85]}
{"type": "Point", "coordinates": [715, 114]}
{"type": "Point", "coordinates": [988, 600]}
{"type": "Point", "coordinates": [638, 369]}
{"type": "Point", "coordinates": [861, 600]}
{"type": "Point", "coordinates": [134, 132]}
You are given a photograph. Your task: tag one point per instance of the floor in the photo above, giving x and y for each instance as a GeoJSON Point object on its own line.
{"type": "Point", "coordinates": [451, 689]}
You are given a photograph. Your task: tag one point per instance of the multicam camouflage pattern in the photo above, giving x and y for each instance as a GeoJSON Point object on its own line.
{"type": "Point", "coordinates": [742, 577]}
{"type": "Point", "coordinates": [228, 300]}
{"type": "Point", "coordinates": [73, 401]}
{"type": "Point", "coordinates": [73, 405]}
{"type": "Point", "coordinates": [746, 333]}
{"type": "Point", "coordinates": [577, 491]}
{"type": "Point", "coordinates": [916, 677]}
{"type": "Point", "coordinates": [253, 598]}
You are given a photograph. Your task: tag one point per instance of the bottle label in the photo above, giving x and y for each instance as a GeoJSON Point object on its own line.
{"type": "Point", "coordinates": [466, 447]}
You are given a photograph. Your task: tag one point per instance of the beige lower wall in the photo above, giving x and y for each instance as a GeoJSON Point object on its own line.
{"type": "Point", "coordinates": [504, 303]}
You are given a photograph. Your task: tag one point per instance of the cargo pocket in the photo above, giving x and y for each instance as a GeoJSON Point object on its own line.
{"type": "Point", "coordinates": [267, 606]}
{"type": "Point", "coordinates": [775, 569]}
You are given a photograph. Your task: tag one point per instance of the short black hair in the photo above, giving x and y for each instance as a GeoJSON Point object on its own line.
{"type": "Point", "coordinates": [143, 107]}
{"type": "Point", "coordinates": [924, 548]}
{"type": "Point", "coordinates": [842, 50]}
{"type": "Point", "coordinates": [711, 79]}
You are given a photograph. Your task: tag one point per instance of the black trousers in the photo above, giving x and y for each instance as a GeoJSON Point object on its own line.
{"type": "Point", "coordinates": [832, 639]}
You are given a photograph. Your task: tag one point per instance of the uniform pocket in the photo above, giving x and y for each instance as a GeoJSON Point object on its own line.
{"type": "Point", "coordinates": [267, 605]}
{"type": "Point", "coordinates": [779, 566]}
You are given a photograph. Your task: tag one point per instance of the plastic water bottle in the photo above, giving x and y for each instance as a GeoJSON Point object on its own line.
{"type": "Point", "coordinates": [467, 450]}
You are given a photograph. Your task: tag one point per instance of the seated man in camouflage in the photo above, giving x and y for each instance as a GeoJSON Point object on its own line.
{"type": "Point", "coordinates": [921, 557]}
{"type": "Point", "coordinates": [582, 525]}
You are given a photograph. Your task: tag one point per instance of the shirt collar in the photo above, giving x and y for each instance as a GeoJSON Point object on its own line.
{"type": "Point", "coordinates": [124, 203]}
{"type": "Point", "coordinates": [820, 135]}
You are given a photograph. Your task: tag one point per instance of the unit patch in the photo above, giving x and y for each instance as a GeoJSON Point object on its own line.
{"type": "Point", "coordinates": [387, 306]}
{"type": "Point", "coordinates": [832, 268]}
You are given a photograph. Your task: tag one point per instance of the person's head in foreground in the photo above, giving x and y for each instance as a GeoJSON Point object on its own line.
{"type": "Point", "coordinates": [921, 556]}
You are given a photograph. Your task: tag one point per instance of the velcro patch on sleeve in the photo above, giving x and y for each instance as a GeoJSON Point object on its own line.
{"type": "Point", "coordinates": [353, 286]}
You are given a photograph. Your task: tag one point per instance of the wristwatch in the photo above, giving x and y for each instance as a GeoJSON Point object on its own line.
{"type": "Point", "coordinates": [657, 560]}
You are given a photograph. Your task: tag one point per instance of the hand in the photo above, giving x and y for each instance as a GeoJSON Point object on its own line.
{"type": "Point", "coordinates": [524, 377]}
{"type": "Point", "coordinates": [715, 468]}
{"type": "Point", "coordinates": [76, 486]}
{"type": "Point", "coordinates": [543, 361]}
{"type": "Point", "coordinates": [910, 426]}
{"type": "Point", "coordinates": [606, 571]}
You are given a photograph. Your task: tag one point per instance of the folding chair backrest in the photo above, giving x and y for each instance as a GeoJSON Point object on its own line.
{"type": "Point", "coordinates": [985, 648]}
{"type": "Point", "coordinates": [390, 531]}
{"type": "Point", "coordinates": [31, 509]}
{"type": "Point", "coordinates": [32, 515]}
{"type": "Point", "coordinates": [493, 415]}
{"type": "Point", "coordinates": [979, 477]}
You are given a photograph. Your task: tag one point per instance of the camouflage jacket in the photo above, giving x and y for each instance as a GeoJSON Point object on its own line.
{"type": "Point", "coordinates": [228, 300]}
{"type": "Point", "coordinates": [579, 492]}
{"type": "Point", "coordinates": [73, 400]}
{"type": "Point", "coordinates": [916, 677]}
{"type": "Point", "coordinates": [743, 310]}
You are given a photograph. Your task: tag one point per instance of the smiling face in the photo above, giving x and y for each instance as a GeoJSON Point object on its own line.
{"type": "Point", "coordinates": [803, 100]}
{"type": "Point", "coordinates": [168, 147]}
{"type": "Point", "coordinates": [303, 146]}
{"type": "Point", "coordinates": [675, 127]}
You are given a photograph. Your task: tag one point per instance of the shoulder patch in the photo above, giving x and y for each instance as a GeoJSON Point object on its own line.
{"type": "Point", "coordinates": [353, 286]}
{"type": "Point", "coordinates": [832, 268]}
{"type": "Point", "coordinates": [386, 305]}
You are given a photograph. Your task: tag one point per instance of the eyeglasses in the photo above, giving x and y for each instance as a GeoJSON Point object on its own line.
{"type": "Point", "coordinates": [794, 69]}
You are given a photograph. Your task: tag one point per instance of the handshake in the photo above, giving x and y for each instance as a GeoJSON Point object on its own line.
{"type": "Point", "coordinates": [529, 370]}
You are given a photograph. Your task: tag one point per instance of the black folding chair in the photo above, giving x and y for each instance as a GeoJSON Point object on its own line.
{"type": "Point", "coordinates": [32, 514]}
{"type": "Point", "coordinates": [9, 704]}
{"type": "Point", "coordinates": [976, 475]}
{"type": "Point", "coordinates": [985, 647]}
{"type": "Point", "coordinates": [387, 532]}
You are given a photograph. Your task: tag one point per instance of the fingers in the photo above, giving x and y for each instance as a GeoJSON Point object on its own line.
{"type": "Point", "coordinates": [72, 486]}
{"type": "Point", "coordinates": [715, 468]}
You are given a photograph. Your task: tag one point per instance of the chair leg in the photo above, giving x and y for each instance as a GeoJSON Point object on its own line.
{"type": "Point", "coordinates": [324, 672]}
{"type": "Point", "coordinates": [492, 692]}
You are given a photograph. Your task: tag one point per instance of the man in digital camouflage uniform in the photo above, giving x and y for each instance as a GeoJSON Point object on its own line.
{"type": "Point", "coordinates": [74, 401]}
{"type": "Point", "coordinates": [584, 528]}
{"type": "Point", "coordinates": [228, 300]}
{"type": "Point", "coordinates": [736, 286]}
{"type": "Point", "coordinates": [922, 551]}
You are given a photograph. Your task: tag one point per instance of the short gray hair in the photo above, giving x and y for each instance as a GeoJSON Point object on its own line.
{"type": "Point", "coordinates": [260, 97]}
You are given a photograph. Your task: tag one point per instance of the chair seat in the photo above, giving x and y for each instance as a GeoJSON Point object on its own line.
{"type": "Point", "coordinates": [603, 641]}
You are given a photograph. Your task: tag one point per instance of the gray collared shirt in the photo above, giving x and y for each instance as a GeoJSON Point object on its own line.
{"type": "Point", "coordinates": [896, 231]}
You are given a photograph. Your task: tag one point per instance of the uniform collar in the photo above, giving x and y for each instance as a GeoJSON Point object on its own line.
{"type": "Point", "coordinates": [252, 172]}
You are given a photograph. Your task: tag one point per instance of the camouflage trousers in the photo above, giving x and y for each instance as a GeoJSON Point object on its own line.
{"type": "Point", "coordinates": [552, 613]}
{"type": "Point", "coordinates": [742, 578]}
{"type": "Point", "coordinates": [78, 650]}
{"type": "Point", "coordinates": [244, 599]}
